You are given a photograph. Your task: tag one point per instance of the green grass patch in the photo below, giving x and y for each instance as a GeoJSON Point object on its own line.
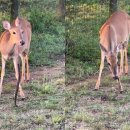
{"type": "Point", "coordinates": [83, 117]}
{"type": "Point", "coordinates": [57, 118]}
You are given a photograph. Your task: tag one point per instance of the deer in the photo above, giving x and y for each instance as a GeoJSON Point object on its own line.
{"type": "Point", "coordinates": [24, 50]}
{"type": "Point", "coordinates": [114, 37]}
{"type": "Point", "coordinates": [15, 43]}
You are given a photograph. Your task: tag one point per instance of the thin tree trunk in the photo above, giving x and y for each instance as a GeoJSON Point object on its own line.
{"type": "Point", "coordinates": [61, 9]}
{"type": "Point", "coordinates": [14, 9]}
{"type": "Point", "coordinates": [113, 6]}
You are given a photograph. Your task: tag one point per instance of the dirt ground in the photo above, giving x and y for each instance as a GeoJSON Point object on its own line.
{"type": "Point", "coordinates": [36, 73]}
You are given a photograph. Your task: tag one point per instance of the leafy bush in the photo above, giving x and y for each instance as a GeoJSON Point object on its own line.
{"type": "Point", "coordinates": [48, 37]}
{"type": "Point", "coordinates": [42, 21]}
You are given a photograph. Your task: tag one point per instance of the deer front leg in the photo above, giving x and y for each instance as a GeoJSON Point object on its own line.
{"type": "Point", "coordinates": [2, 74]}
{"type": "Point", "coordinates": [120, 86]}
{"type": "Point", "coordinates": [15, 60]}
{"type": "Point", "coordinates": [121, 61]}
{"type": "Point", "coordinates": [100, 71]}
{"type": "Point", "coordinates": [23, 68]}
{"type": "Point", "coordinates": [126, 61]}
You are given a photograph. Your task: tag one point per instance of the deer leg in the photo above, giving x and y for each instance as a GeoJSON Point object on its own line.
{"type": "Point", "coordinates": [100, 71]}
{"type": "Point", "coordinates": [126, 61]}
{"type": "Point", "coordinates": [23, 68]}
{"type": "Point", "coordinates": [121, 61]}
{"type": "Point", "coordinates": [15, 60]}
{"type": "Point", "coordinates": [2, 74]}
{"type": "Point", "coordinates": [27, 65]}
{"type": "Point", "coordinates": [120, 86]}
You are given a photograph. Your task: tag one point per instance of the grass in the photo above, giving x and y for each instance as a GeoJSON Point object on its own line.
{"type": "Point", "coordinates": [57, 118]}
{"type": "Point", "coordinates": [38, 119]}
{"type": "Point", "coordinates": [82, 117]}
{"type": "Point", "coordinates": [39, 89]}
{"type": "Point", "coordinates": [37, 110]}
{"type": "Point", "coordinates": [126, 127]}
{"type": "Point", "coordinates": [98, 110]}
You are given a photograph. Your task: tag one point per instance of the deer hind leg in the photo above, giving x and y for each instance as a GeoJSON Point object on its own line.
{"type": "Point", "coordinates": [100, 71]}
{"type": "Point", "coordinates": [126, 61]}
{"type": "Point", "coordinates": [2, 74]}
{"type": "Point", "coordinates": [121, 61]}
{"type": "Point", "coordinates": [27, 67]}
{"type": "Point", "coordinates": [15, 60]}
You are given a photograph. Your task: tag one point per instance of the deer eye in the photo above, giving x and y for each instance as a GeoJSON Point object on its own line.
{"type": "Point", "coordinates": [14, 32]}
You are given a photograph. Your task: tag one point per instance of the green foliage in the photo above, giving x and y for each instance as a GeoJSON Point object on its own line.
{"type": "Point", "coordinates": [48, 36]}
{"type": "Point", "coordinates": [42, 21]}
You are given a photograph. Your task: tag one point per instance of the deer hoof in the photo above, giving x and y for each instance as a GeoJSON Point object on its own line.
{"type": "Point", "coordinates": [126, 73]}
{"type": "Point", "coordinates": [95, 89]}
{"type": "Point", "coordinates": [23, 98]}
{"type": "Point", "coordinates": [121, 91]}
{"type": "Point", "coordinates": [22, 95]}
{"type": "Point", "coordinates": [27, 80]}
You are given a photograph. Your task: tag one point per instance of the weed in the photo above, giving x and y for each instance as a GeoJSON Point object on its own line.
{"type": "Point", "coordinates": [57, 118]}
{"type": "Point", "coordinates": [38, 119]}
{"type": "Point", "coordinates": [126, 127]}
{"type": "Point", "coordinates": [83, 117]}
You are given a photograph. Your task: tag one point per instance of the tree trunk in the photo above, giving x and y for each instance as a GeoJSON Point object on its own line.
{"type": "Point", "coordinates": [14, 9]}
{"type": "Point", "coordinates": [61, 9]}
{"type": "Point", "coordinates": [113, 6]}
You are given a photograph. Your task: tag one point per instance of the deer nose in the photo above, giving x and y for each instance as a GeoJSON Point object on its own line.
{"type": "Point", "coordinates": [22, 43]}
{"type": "Point", "coordinates": [115, 77]}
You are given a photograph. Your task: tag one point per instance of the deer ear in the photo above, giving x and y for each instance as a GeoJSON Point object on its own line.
{"type": "Point", "coordinates": [103, 49]}
{"type": "Point", "coordinates": [6, 25]}
{"type": "Point", "coordinates": [17, 22]}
